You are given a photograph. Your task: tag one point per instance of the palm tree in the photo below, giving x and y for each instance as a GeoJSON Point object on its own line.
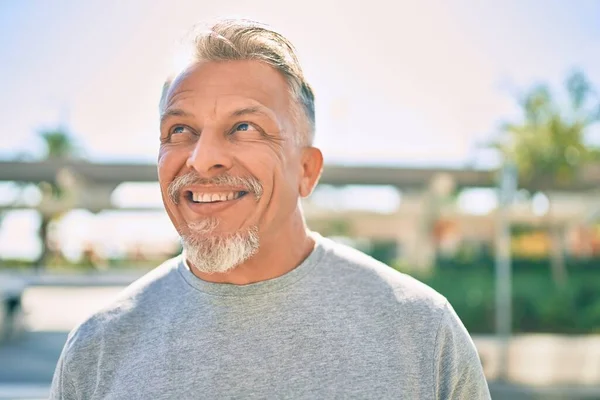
{"type": "Point", "coordinates": [60, 145]}
{"type": "Point", "coordinates": [549, 149]}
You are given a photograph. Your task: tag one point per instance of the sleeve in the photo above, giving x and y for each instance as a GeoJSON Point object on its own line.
{"type": "Point", "coordinates": [62, 387]}
{"type": "Point", "coordinates": [458, 373]}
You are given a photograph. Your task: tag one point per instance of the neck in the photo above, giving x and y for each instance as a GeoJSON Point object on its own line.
{"type": "Point", "coordinates": [279, 253]}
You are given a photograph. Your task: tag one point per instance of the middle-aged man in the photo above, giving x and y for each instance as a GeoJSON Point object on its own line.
{"type": "Point", "coordinates": [258, 306]}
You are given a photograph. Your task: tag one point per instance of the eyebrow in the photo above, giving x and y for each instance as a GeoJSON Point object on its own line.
{"type": "Point", "coordinates": [178, 112]}
{"type": "Point", "coordinates": [250, 110]}
{"type": "Point", "coordinates": [173, 112]}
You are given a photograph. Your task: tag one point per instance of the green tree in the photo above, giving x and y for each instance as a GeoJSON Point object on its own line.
{"type": "Point", "coordinates": [60, 145]}
{"type": "Point", "coordinates": [548, 146]}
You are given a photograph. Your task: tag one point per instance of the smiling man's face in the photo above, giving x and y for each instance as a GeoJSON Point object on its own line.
{"type": "Point", "coordinates": [229, 168]}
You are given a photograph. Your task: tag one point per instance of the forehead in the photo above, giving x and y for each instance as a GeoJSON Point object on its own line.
{"type": "Point", "coordinates": [213, 85]}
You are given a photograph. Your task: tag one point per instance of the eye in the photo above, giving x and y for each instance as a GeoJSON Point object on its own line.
{"type": "Point", "coordinates": [180, 133]}
{"type": "Point", "coordinates": [179, 129]}
{"type": "Point", "coordinates": [244, 127]}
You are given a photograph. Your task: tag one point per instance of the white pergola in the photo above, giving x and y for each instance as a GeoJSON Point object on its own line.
{"type": "Point", "coordinates": [94, 183]}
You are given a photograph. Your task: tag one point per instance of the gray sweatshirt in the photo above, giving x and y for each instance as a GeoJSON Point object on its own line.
{"type": "Point", "coordinates": [339, 326]}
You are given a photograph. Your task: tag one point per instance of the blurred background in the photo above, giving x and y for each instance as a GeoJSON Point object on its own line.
{"type": "Point", "coordinates": [462, 146]}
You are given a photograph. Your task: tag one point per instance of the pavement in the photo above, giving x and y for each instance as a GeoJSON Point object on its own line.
{"type": "Point", "coordinates": [27, 363]}
{"type": "Point", "coordinates": [511, 391]}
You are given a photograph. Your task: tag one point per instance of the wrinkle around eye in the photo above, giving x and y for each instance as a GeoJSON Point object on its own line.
{"type": "Point", "coordinates": [179, 133]}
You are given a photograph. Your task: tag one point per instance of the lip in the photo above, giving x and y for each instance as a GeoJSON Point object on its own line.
{"type": "Point", "coordinates": [212, 189]}
{"type": "Point", "coordinates": [211, 208]}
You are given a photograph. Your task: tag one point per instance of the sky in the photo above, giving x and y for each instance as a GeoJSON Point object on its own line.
{"type": "Point", "coordinates": [399, 82]}
{"type": "Point", "coordinates": [396, 82]}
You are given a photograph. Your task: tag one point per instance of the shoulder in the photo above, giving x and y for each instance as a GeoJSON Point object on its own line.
{"type": "Point", "coordinates": [458, 371]}
{"type": "Point", "coordinates": [360, 272]}
{"type": "Point", "coordinates": [131, 303]}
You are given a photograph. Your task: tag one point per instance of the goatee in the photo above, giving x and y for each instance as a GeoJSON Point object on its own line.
{"type": "Point", "coordinates": [210, 253]}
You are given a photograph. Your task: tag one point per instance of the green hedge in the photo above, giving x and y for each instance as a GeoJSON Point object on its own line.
{"type": "Point", "coordinates": [487, 262]}
{"type": "Point", "coordinates": [538, 304]}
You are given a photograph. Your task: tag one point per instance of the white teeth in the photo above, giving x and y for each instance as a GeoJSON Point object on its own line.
{"type": "Point", "coordinates": [214, 197]}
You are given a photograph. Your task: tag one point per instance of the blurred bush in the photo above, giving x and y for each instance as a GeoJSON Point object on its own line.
{"type": "Point", "coordinates": [538, 304]}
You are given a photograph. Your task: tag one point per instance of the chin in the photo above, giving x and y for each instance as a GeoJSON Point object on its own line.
{"type": "Point", "coordinates": [210, 253]}
{"type": "Point", "coordinates": [203, 227]}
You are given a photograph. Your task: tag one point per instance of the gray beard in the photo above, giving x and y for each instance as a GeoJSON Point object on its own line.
{"type": "Point", "coordinates": [213, 253]}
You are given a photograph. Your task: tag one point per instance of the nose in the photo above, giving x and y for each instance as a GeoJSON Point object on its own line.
{"type": "Point", "coordinates": [210, 156]}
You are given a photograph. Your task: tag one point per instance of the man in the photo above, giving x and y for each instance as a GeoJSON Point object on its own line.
{"type": "Point", "coordinates": [257, 306]}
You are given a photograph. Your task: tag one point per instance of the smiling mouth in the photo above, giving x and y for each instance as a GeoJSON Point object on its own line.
{"type": "Point", "coordinates": [209, 198]}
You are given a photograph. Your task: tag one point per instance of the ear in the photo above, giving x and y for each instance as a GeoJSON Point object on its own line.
{"type": "Point", "coordinates": [312, 165]}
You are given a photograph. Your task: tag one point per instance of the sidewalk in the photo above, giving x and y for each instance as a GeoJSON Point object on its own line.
{"type": "Point", "coordinates": [507, 391]}
{"type": "Point", "coordinates": [15, 391]}
{"type": "Point", "coordinates": [91, 278]}
{"type": "Point", "coordinates": [544, 360]}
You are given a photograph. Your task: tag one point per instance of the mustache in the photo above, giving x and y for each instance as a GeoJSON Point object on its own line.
{"type": "Point", "coordinates": [250, 184]}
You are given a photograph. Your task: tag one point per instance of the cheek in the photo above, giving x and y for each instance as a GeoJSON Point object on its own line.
{"type": "Point", "coordinates": [285, 179]}
{"type": "Point", "coordinates": [165, 175]}
{"type": "Point", "coordinates": [169, 163]}
{"type": "Point", "coordinates": [292, 172]}
{"type": "Point", "coordinates": [275, 170]}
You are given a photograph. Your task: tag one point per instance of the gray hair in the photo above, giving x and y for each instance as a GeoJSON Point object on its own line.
{"type": "Point", "coordinates": [242, 39]}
